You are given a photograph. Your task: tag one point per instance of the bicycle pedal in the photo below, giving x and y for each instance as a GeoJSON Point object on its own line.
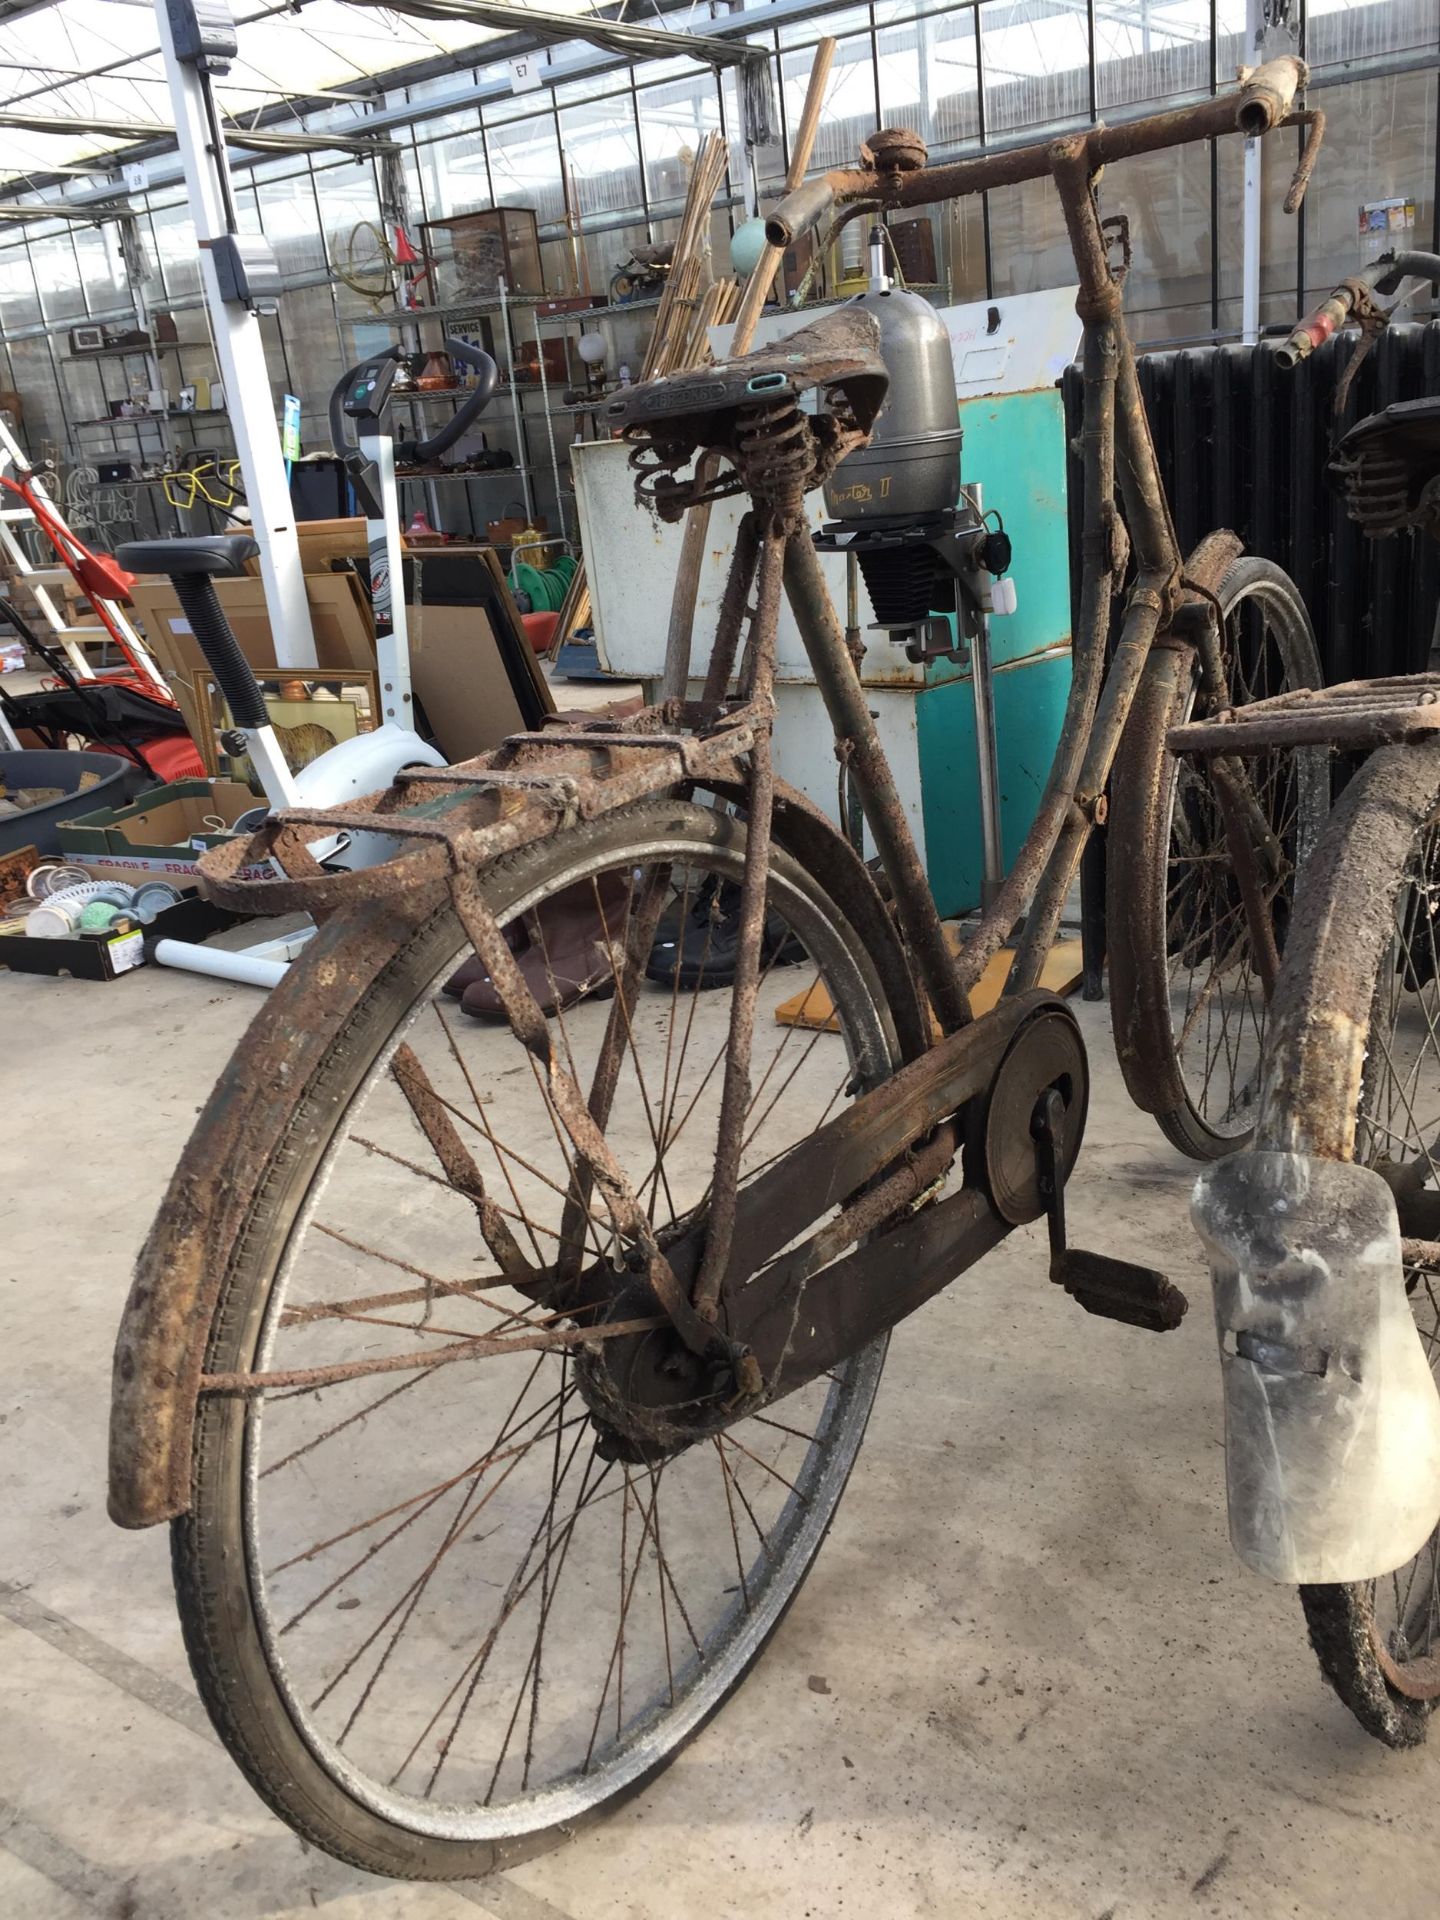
{"type": "Point", "coordinates": [1119, 1290]}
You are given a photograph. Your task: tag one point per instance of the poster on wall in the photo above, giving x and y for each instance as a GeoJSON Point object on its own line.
{"type": "Point", "coordinates": [1385, 225]}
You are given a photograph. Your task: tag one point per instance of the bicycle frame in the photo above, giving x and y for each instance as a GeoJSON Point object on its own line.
{"type": "Point", "coordinates": [863, 1171]}
{"type": "Point", "coordinates": [1167, 600]}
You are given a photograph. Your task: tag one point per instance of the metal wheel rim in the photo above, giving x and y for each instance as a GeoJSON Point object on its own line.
{"type": "Point", "coordinates": [731, 1646]}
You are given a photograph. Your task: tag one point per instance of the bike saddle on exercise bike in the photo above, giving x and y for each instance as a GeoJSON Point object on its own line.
{"type": "Point", "coordinates": [194, 554]}
{"type": "Point", "coordinates": [1388, 467]}
{"type": "Point", "coordinates": [747, 410]}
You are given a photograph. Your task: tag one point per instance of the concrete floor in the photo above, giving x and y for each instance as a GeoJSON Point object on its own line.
{"type": "Point", "coordinates": [1026, 1677]}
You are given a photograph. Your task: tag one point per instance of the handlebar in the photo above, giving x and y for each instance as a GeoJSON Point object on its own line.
{"type": "Point", "coordinates": [1353, 296]}
{"type": "Point", "coordinates": [1265, 100]}
{"type": "Point", "coordinates": [421, 451]}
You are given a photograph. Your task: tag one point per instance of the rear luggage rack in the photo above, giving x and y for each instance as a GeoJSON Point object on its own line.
{"type": "Point", "coordinates": [1357, 713]}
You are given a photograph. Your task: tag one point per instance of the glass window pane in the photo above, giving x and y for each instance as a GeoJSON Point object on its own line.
{"type": "Point", "coordinates": [454, 175]}
{"type": "Point", "coordinates": [103, 278]}
{"type": "Point", "coordinates": [350, 214]}
{"type": "Point", "coordinates": [803, 33]}
{"type": "Point", "coordinates": [176, 250]}
{"type": "Point", "coordinates": [1166, 198]}
{"type": "Point", "coordinates": [601, 146]}
{"type": "Point", "coordinates": [57, 276]}
{"type": "Point", "coordinates": [1159, 51]}
{"type": "Point", "coordinates": [1338, 32]}
{"type": "Point", "coordinates": [1278, 230]}
{"type": "Point", "coordinates": [19, 301]}
{"type": "Point", "coordinates": [674, 119]}
{"type": "Point", "coordinates": [1036, 62]}
{"type": "Point", "coordinates": [927, 69]}
{"type": "Point", "coordinates": [525, 166]}
{"type": "Point", "coordinates": [963, 233]}
{"type": "Point", "coordinates": [1386, 131]}
{"type": "Point", "coordinates": [291, 223]}
{"type": "Point", "coordinates": [33, 376]}
{"type": "Point", "coordinates": [312, 349]}
{"type": "Point", "coordinates": [1028, 244]}
{"type": "Point", "coordinates": [847, 113]}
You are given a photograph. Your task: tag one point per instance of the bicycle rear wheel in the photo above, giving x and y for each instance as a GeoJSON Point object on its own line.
{"type": "Point", "coordinates": [1365, 966]}
{"type": "Point", "coordinates": [436, 1621]}
{"type": "Point", "coordinates": [1187, 1006]}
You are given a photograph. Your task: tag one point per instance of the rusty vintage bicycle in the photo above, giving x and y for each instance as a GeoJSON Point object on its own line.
{"type": "Point", "coordinates": [500, 1373]}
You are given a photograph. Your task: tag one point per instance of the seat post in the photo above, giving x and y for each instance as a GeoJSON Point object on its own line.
{"type": "Point", "coordinates": [215, 638]}
{"type": "Point", "coordinates": [191, 565]}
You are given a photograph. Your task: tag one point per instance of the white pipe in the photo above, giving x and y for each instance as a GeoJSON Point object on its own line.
{"type": "Point", "coordinates": [220, 964]}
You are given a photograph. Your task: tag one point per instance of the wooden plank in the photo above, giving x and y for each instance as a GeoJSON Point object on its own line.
{"type": "Point", "coordinates": [812, 1008]}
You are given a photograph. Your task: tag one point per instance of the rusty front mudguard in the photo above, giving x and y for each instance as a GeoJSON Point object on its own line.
{"type": "Point", "coordinates": [251, 1114]}
{"type": "Point", "coordinates": [183, 1263]}
{"type": "Point", "coordinates": [1332, 1419]}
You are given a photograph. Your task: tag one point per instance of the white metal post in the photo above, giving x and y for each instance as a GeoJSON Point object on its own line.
{"type": "Point", "coordinates": [1251, 210]}
{"type": "Point", "coordinates": [241, 353]}
{"type": "Point", "coordinates": [387, 589]}
{"type": "Point", "coordinates": [987, 755]}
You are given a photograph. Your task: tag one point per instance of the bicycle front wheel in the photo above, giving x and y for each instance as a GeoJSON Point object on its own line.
{"type": "Point", "coordinates": [1187, 1005]}
{"type": "Point", "coordinates": [436, 1622]}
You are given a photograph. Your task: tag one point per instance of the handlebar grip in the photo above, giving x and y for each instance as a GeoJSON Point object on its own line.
{"type": "Point", "coordinates": [481, 363]}
{"type": "Point", "coordinates": [1385, 276]}
{"type": "Point", "coordinates": [1269, 93]}
{"type": "Point", "coordinates": [340, 441]}
{"type": "Point", "coordinates": [799, 212]}
{"type": "Point", "coordinates": [201, 606]}
{"type": "Point", "coordinates": [1408, 266]}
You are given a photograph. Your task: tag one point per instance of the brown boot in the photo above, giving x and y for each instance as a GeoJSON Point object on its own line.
{"type": "Point", "coordinates": [564, 955]}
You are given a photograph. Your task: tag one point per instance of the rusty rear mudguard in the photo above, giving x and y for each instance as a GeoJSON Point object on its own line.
{"type": "Point", "coordinates": [159, 1352]}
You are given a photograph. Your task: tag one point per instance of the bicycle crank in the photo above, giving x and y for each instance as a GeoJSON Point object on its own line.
{"type": "Point", "coordinates": [800, 1306]}
{"type": "Point", "coordinates": [1040, 1073]}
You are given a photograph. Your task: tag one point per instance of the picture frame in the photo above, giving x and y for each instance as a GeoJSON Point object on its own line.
{"type": "Point", "coordinates": [350, 704]}
{"type": "Point", "coordinates": [87, 339]}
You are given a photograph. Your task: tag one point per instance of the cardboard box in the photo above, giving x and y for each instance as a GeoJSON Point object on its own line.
{"type": "Point", "coordinates": [339, 614]}
{"type": "Point", "coordinates": [87, 956]}
{"type": "Point", "coordinates": [105, 956]}
{"type": "Point", "coordinates": [461, 681]}
{"type": "Point", "coordinates": [160, 835]}
{"type": "Point", "coordinates": [322, 542]}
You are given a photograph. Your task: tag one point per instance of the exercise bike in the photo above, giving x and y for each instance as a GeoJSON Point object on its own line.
{"type": "Point", "coordinates": [371, 760]}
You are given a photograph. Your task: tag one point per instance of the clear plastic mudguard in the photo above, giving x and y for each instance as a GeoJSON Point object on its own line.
{"type": "Point", "coordinates": [1332, 1419]}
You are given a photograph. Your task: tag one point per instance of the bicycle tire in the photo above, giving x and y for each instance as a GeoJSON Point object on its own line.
{"type": "Point", "coordinates": [1349, 971]}
{"type": "Point", "coordinates": [1149, 820]}
{"type": "Point", "coordinates": [212, 1544]}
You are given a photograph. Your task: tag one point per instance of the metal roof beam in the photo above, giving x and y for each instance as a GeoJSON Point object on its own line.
{"type": "Point", "coordinates": [263, 139]}
{"type": "Point", "coordinates": [616, 36]}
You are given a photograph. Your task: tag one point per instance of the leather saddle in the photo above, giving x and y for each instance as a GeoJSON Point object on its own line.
{"type": "Point", "coordinates": [753, 410]}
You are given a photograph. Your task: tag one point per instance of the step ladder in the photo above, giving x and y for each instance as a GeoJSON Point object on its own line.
{"type": "Point", "coordinates": [15, 520]}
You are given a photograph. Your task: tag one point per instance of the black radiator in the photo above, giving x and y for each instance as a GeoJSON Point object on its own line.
{"type": "Point", "coordinates": [1243, 444]}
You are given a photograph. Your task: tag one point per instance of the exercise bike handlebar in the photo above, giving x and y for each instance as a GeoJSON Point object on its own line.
{"type": "Point", "coordinates": [1351, 297]}
{"type": "Point", "coordinates": [422, 451]}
